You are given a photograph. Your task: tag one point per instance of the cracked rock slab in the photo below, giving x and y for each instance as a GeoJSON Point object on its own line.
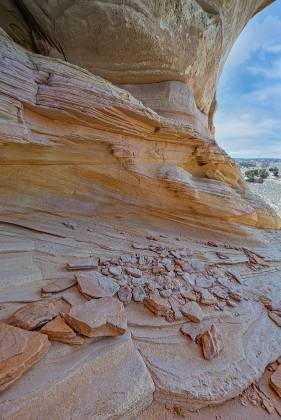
{"type": "Point", "coordinates": [156, 304]}
{"type": "Point", "coordinates": [212, 343]}
{"type": "Point", "coordinates": [96, 285]}
{"type": "Point", "coordinates": [19, 351]}
{"type": "Point", "coordinates": [192, 311]}
{"type": "Point", "coordinates": [98, 317]}
{"type": "Point", "coordinates": [178, 368]}
{"type": "Point", "coordinates": [83, 264]}
{"type": "Point", "coordinates": [58, 330]}
{"type": "Point", "coordinates": [33, 315]}
{"type": "Point", "coordinates": [103, 380]}
{"type": "Point", "coordinates": [59, 285]}
{"type": "Point", "coordinates": [275, 381]}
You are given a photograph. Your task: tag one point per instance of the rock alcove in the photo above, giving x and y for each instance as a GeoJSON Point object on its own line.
{"type": "Point", "coordinates": [133, 256]}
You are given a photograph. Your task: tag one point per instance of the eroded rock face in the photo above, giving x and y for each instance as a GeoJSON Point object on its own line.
{"type": "Point", "coordinates": [114, 145]}
{"type": "Point", "coordinates": [81, 155]}
{"type": "Point", "coordinates": [19, 351]}
{"type": "Point", "coordinates": [140, 41]}
{"type": "Point", "coordinates": [173, 359]}
{"type": "Point", "coordinates": [75, 384]}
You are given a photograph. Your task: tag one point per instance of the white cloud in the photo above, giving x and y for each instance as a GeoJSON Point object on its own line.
{"type": "Point", "coordinates": [273, 48]}
{"type": "Point", "coordinates": [246, 135]}
{"type": "Point", "coordinates": [268, 95]}
{"type": "Point", "coordinates": [264, 35]}
{"type": "Point", "coordinates": [270, 72]}
{"type": "Point", "coordinates": [248, 121]}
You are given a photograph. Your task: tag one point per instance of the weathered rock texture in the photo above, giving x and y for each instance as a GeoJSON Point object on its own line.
{"type": "Point", "coordinates": [138, 41]}
{"type": "Point", "coordinates": [96, 285]}
{"type": "Point", "coordinates": [19, 351]}
{"type": "Point", "coordinates": [129, 183]}
{"type": "Point", "coordinates": [33, 315]}
{"type": "Point", "coordinates": [103, 317]}
{"type": "Point", "coordinates": [275, 381]}
{"type": "Point", "coordinates": [120, 154]}
{"type": "Point", "coordinates": [58, 330]}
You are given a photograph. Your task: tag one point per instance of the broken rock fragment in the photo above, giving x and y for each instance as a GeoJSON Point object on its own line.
{"type": "Point", "coordinates": [234, 275]}
{"type": "Point", "coordinates": [19, 351]}
{"type": "Point", "coordinates": [255, 258]}
{"type": "Point", "coordinates": [134, 272]}
{"type": "Point", "coordinates": [74, 297]}
{"type": "Point", "coordinates": [98, 318]}
{"type": "Point", "coordinates": [212, 343]}
{"type": "Point", "coordinates": [96, 285]}
{"type": "Point", "coordinates": [83, 264]}
{"type": "Point", "coordinates": [275, 316]}
{"type": "Point", "coordinates": [222, 256]}
{"type": "Point", "coordinates": [156, 304]}
{"type": "Point", "coordinates": [59, 285]}
{"type": "Point", "coordinates": [58, 330]}
{"type": "Point", "coordinates": [182, 264]}
{"type": "Point", "coordinates": [19, 296]}
{"type": "Point", "coordinates": [231, 303]}
{"type": "Point", "coordinates": [166, 293]}
{"type": "Point", "coordinates": [275, 381]}
{"type": "Point", "coordinates": [219, 292]}
{"type": "Point", "coordinates": [140, 246]}
{"type": "Point", "coordinates": [204, 281]}
{"type": "Point", "coordinates": [192, 330]}
{"type": "Point", "coordinates": [176, 308]}
{"type": "Point", "coordinates": [115, 270]}
{"type": "Point", "coordinates": [33, 315]}
{"type": "Point", "coordinates": [211, 243]}
{"type": "Point", "coordinates": [125, 294]}
{"type": "Point", "coordinates": [138, 293]}
{"type": "Point", "coordinates": [207, 298]}
{"type": "Point", "coordinates": [192, 311]}
{"type": "Point", "coordinates": [235, 295]}
{"type": "Point", "coordinates": [188, 294]}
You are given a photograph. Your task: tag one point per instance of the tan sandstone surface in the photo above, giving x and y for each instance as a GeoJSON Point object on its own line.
{"type": "Point", "coordinates": [127, 235]}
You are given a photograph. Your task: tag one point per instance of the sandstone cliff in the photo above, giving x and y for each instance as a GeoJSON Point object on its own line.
{"type": "Point", "coordinates": [127, 170]}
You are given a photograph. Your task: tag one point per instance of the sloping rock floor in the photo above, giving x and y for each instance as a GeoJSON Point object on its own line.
{"type": "Point", "coordinates": [186, 323]}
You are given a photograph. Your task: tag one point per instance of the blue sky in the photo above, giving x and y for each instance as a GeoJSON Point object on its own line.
{"type": "Point", "coordinates": [248, 119]}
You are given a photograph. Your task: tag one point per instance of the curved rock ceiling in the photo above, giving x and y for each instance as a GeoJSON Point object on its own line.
{"type": "Point", "coordinates": [109, 163]}
{"type": "Point", "coordinates": [133, 41]}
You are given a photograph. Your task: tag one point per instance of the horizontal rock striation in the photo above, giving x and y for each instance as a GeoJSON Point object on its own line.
{"type": "Point", "coordinates": [87, 383]}
{"type": "Point", "coordinates": [73, 142]}
{"type": "Point", "coordinates": [127, 235]}
{"type": "Point", "coordinates": [137, 41]}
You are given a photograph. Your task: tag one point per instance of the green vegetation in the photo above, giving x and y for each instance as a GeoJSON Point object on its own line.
{"type": "Point", "coordinates": [275, 171]}
{"type": "Point", "coordinates": [263, 173]}
{"type": "Point", "coordinates": [256, 175]}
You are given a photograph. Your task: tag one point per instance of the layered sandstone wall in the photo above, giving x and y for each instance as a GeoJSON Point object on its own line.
{"type": "Point", "coordinates": [73, 142]}
{"type": "Point", "coordinates": [126, 181]}
{"type": "Point", "coordinates": [135, 41]}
